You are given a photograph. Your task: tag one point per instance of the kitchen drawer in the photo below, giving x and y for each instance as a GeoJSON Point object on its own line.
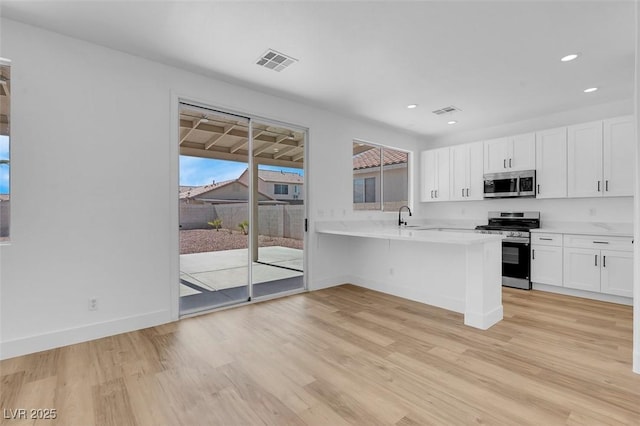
{"type": "Point", "coordinates": [546, 239]}
{"type": "Point", "coordinates": [598, 242]}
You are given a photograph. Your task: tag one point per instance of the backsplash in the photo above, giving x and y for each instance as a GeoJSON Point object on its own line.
{"type": "Point", "coordinates": [610, 210]}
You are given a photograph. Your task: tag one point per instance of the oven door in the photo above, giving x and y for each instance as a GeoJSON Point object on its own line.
{"type": "Point", "coordinates": [516, 263]}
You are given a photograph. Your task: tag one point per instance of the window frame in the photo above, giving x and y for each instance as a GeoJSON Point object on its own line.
{"type": "Point", "coordinates": [6, 208]}
{"type": "Point", "coordinates": [380, 173]}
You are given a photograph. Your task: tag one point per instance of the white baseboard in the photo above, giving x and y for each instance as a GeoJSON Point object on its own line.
{"type": "Point", "coordinates": [56, 339]}
{"type": "Point", "coordinates": [636, 362]}
{"type": "Point", "coordinates": [584, 294]}
{"type": "Point", "coordinates": [330, 282]}
{"type": "Point", "coordinates": [484, 322]}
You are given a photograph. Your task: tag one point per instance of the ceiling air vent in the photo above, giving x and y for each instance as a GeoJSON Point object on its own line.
{"type": "Point", "coordinates": [446, 110]}
{"type": "Point", "coordinates": [275, 60]}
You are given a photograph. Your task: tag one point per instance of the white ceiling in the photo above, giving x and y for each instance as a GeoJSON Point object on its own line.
{"type": "Point", "coordinates": [498, 61]}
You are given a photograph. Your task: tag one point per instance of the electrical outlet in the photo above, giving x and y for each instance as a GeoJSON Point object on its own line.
{"type": "Point", "coordinates": [93, 304]}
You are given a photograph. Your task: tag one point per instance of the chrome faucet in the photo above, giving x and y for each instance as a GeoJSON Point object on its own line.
{"type": "Point", "coordinates": [400, 221]}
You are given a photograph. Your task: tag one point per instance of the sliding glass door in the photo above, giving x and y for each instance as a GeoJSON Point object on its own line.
{"type": "Point", "coordinates": [236, 173]}
{"type": "Point", "coordinates": [277, 258]}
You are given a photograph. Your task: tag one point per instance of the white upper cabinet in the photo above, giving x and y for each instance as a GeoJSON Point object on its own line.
{"type": "Point", "coordinates": [466, 171]}
{"type": "Point", "coordinates": [510, 154]}
{"type": "Point", "coordinates": [584, 160]}
{"type": "Point", "coordinates": [495, 155]}
{"type": "Point", "coordinates": [618, 156]}
{"type": "Point", "coordinates": [551, 163]}
{"type": "Point", "coordinates": [523, 152]}
{"type": "Point", "coordinates": [600, 158]}
{"type": "Point", "coordinates": [434, 173]}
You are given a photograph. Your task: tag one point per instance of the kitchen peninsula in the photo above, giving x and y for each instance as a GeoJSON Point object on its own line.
{"type": "Point", "coordinates": [456, 270]}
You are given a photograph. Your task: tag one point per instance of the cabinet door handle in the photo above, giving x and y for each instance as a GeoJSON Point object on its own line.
{"type": "Point", "coordinates": [509, 162]}
{"type": "Point", "coordinates": [545, 239]}
{"type": "Point", "coordinates": [463, 192]}
{"type": "Point", "coordinates": [436, 193]}
{"type": "Point", "coordinates": [533, 254]}
{"type": "Point", "coordinates": [504, 163]}
{"type": "Point", "coordinates": [432, 193]}
{"type": "Point", "coordinates": [467, 192]}
{"type": "Point", "coordinates": [604, 261]}
{"type": "Point", "coordinates": [538, 188]}
{"type": "Point", "coordinates": [598, 186]}
{"type": "Point", "coordinates": [601, 242]}
{"type": "Point", "coordinates": [606, 185]}
{"type": "Point", "coordinates": [596, 260]}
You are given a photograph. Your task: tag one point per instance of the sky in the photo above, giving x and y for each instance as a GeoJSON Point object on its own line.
{"type": "Point", "coordinates": [196, 171]}
{"type": "Point", "coordinates": [4, 169]}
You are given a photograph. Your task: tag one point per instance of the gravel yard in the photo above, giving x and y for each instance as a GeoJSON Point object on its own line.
{"type": "Point", "coordinates": [204, 240]}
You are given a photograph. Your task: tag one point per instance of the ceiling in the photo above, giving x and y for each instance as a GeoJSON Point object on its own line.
{"type": "Point", "coordinates": [498, 62]}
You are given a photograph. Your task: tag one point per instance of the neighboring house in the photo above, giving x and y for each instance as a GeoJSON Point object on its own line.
{"type": "Point", "coordinates": [227, 192]}
{"type": "Point", "coordinates": [367, 176]}
{"type": "Point", "coordinates": [279, 185]}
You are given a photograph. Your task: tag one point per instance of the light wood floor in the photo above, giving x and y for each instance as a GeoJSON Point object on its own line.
{"type": "Point", "coordinates": [344, 356]}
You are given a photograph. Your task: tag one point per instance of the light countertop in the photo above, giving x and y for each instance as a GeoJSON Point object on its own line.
{"type": "Point", "coordinates": [587, 228]}
{"type": "Point", "coordinates": [428, 234]}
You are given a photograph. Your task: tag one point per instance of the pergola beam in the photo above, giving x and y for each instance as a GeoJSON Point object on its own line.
{"type": "Point", "coordinates": [194, 125]}
{"type": "Point", "coordinates": [284, 151]}
{"type": "Point", "coordinates": [269, 145]}
{"type": "Point", "coordinates": [242, 143]}
{"type": "Point", "coordinates": [211, 142]}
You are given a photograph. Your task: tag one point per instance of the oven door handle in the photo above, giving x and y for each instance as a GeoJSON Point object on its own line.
{"type": "Point", "coordinates": [517, 240]}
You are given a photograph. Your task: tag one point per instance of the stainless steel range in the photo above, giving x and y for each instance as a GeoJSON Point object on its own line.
{"type": "Point", "coordinates": [516, 247]}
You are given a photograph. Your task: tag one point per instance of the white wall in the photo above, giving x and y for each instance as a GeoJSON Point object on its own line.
{"type": "Point", "coordinates": [94, 186]}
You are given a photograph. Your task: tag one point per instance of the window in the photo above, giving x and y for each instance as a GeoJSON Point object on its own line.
{"type": "Point", "coordinates": [380, 177]}
{"type": "Point", "coordinates": [364, 190]}
{"type": "Point", "coordinates": [280, 189]}
{"type": "Point", "coordinates": [5, 162]}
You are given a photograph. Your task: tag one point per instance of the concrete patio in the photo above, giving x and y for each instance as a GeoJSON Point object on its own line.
{"type": "Point", "coordinates": [221, 276]}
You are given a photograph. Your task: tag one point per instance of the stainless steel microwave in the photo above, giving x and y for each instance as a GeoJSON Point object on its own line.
{"type": "Point", "coordinates": [510, 184]}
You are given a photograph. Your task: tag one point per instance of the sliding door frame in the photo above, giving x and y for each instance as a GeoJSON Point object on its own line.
{"type": "Point", "coordinates": [174, 249]}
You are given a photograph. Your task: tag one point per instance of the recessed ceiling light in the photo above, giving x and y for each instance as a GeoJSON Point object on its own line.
{"type": "Point", "coordinates": [452, 122]}
{"type": "Point", "coordinates": [412, 106]}
{"type": "Point", "coordinates": [569, 57]}
{"type": "Point", "coordinates": [590, 90]}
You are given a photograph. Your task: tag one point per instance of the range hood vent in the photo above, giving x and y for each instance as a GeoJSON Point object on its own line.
{"type": "Point", "coordinates": [275, 60]}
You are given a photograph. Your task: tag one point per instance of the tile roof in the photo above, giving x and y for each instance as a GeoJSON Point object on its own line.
{"type": "Point", "coordinates": [194, 191]}
{"type": "Point", "coordinates": [266, 175]}
{"type": "Point", "coordinates": [371, 158]}
{"type": "Point", "coordinates": [277, 176]}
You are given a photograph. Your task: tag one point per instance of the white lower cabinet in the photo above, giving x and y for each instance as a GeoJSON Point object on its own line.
{"type": "Point", "coordinates": [617, 273]}
{"type": "Point", "coordinates": [546, 264]}
{"type": "Point", "coordinates": [583, 262]}
{"type": "Point", "coordinates": [582, 269]}
{"type": "Point", "coordinates": [546, 259]}
{"type": "Point", "coordinates": [589, 267]}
